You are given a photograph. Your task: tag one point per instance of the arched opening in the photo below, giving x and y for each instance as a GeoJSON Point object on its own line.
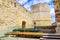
{"type": "Point", "coordinates": [23, 24]}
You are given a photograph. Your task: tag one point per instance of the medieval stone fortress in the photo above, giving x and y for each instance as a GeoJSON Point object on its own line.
{"type": "Point", "coordinates": [14, 18]}
{"type": "Point", "coordinates": [13, 15]}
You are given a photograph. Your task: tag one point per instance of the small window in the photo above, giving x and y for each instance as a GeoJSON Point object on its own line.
{"type": "Point", "coordinates": [23, 24]}
{"type": "Point", "coordinates": [34, 23]}
{"type": "Point", "coordinates": [59, 5]}
{"type": "Point", "coordinates": [15, 4]}
{"type": "Point", "coordinates": [57, 10]}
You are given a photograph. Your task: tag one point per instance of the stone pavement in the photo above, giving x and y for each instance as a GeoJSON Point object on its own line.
{"type": "Point", "coordinates": [17, 38]}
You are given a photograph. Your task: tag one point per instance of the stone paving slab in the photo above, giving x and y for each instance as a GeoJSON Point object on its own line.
{"type": "Point", "coordinates": [17, 38]}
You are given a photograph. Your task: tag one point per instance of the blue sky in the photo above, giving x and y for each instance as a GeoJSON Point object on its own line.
{"type": "Point", "coordinates": [28, 3]}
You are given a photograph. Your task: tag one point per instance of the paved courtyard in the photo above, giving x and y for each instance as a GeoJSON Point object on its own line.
{"type": "Point", "coordinates": [15, 38]}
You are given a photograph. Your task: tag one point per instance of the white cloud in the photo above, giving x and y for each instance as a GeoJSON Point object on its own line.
{"type": "Point", "coordinates": [47, 1]}
{"type": "Point", "coordinates": [52, 15]}
{"type": "Point", "coordinates": [35, 2]}
{"type": "Point", "coordinates": [53, 20]}
{"type": "Point", "coordinates": [52, 10]}
{"type": "Point", "coordinates": [27, 6]}
{"type": "Point", "coordinates": [41, 1]}
{"type": "Point", "coordinates": [22, 1]}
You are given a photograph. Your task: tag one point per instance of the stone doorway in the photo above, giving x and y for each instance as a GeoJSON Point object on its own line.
{"type": "Point", "coordinates": [23, 24]}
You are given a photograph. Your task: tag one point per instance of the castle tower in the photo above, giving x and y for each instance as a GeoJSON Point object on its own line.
{"type": "Point", "coordinates": [41, 14]}
{"type": "Point", "coordinates": [57, 12]}
{"type": "Point", "coordinates": [57, 9]}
